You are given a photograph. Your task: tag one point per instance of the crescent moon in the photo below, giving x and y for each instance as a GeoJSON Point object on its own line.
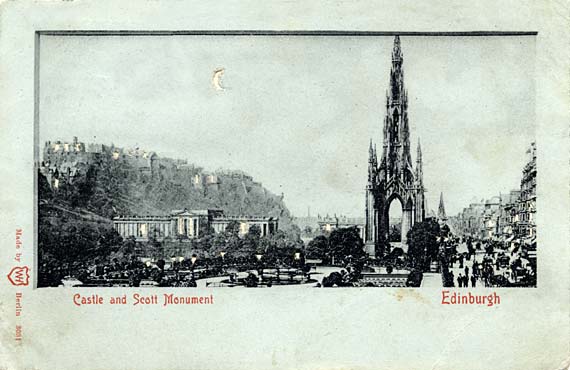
{"type": "Point", "coordinates": [217, 79]}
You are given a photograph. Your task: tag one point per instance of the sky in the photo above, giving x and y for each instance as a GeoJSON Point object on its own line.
{"type": "Point", "coordinates": [297, 113]}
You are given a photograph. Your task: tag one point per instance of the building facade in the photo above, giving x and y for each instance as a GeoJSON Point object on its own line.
{"type": "Point", "coordinates": [189, 224]}
{"type": "Point", "coordinates": [491, 217]}
{"type": "Point", "coordinates": [394, 178]}
{"type": "Point", "coordinates": [470, 221]}
{"type": "Point", "coordinates": [508, 217]}
{"type": "Point", "coordinates": [526, 225]}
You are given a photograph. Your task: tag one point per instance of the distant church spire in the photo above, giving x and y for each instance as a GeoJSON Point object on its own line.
{"type": "Point", "coordinates": [419, 165]}
{"type": "Point", "coordinates": [441, 212]}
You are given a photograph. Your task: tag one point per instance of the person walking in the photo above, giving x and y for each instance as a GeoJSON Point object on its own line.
{"type": "Point", "coordinates": [473, 281]}
{"type": "Point", "coordinates": [460, 280]}
{"type": "Point", "coordinates": [467, 271]}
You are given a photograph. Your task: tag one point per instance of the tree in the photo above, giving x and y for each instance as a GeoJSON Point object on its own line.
{"type": "Point", "coordinates": [228, 241]}
{"type": "Point", "coordinates": [294, 232]}
{"type": "Point", "coordinates": [44, 191]}
{"type": "Point", "coordinates": [280, 246]}
{"type": "Point", "coordinates": [110, 238]}
{"type": "Point", "coordinates": [233, 228]}
{"type": "Point", "coordinates": [254, 232]}
{"type": "Point", "coordinates": [318, 248]}
{"type": "Point", "coordinates": [155, 248]}
{"type": "Point", "coordinates": [346, 242]}
{"type": "Point", "coordinates": [205, 244]}
{"type": "Point", "coordinates": [83, 190]}
{"type": "Point", "coordinates": [129, 246]}
{"type": "Point", "coordinates": [422, 243]}
{"type": "Point", "coordinates": [218, 244]}
{"type": "Point", "coordinates": [251, 240]}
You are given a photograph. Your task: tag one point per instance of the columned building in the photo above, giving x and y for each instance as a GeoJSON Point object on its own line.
{"type": "Point", "coordinates": [189, 224]}
{"type": "Point", "coordinates": [394, 177]}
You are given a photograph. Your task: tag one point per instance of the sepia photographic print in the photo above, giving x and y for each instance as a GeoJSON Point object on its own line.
{"type": "Point", "coordinates": [308, 160]}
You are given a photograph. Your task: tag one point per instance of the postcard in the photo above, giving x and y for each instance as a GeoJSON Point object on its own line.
{"type": "Point", "coordinates": [186, 188]}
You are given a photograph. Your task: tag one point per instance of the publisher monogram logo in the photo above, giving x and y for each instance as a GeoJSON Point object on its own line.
{"type": "Point", "coordinates": [19, 276]}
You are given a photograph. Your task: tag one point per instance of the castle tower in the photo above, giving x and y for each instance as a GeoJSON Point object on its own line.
{"type": "Point", "coordinates": [394, 179]}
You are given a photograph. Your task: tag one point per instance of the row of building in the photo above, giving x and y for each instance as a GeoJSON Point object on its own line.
{"type": "Point", "coordinates": [327, 224]}
{"type": "Point", "coordinates": [507, 217]}
{"type": "Point", "coordinates": [189, 224]}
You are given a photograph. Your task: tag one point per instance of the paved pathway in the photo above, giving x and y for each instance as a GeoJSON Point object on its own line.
{"type": "Point", "coordinates": [432, 280]}
{"type": "Point", "coordinates": [318, 274]}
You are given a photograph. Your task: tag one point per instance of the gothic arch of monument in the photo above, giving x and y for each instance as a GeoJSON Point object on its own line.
{"type": "Point", "coordinates": [394, 176]}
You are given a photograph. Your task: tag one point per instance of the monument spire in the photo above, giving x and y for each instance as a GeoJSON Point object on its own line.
{"type": "Point", "coordinates": [395, 174]}
{"type": "Point", "coordinates": [396, 128]}
{"type": "Point", "coordinates": [397, 50]}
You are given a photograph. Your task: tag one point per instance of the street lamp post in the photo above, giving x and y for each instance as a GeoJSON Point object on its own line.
{"type": "Point", "coordinates": [180, 260]}
{"type": "Point", "coordinates": [260, 265]}
{"type": "Point", "coordinates": [297, 257]}
{"type": "Point", "coordinates": [193, 259]}
{"type": "Point", "coordinates": [147, 264]}
{"type": "Point", "coordinates": [222, 254]}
